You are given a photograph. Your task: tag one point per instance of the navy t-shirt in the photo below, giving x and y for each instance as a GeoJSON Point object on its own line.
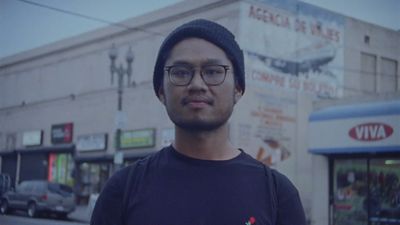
{"type": "Point", "coordinates": [169, 188]}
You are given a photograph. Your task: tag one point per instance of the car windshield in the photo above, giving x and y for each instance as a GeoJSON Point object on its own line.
{"type": "Point", "coordinates": [60, 189]}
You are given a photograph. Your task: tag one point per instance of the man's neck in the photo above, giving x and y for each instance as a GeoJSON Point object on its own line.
{"type": "Point", "coordinates": [207, 145]}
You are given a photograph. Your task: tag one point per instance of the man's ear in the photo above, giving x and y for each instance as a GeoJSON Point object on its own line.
{"type": "Point", "coordinates": [238, 93]}
{"type": "Point", "coordinates": [161, 95]}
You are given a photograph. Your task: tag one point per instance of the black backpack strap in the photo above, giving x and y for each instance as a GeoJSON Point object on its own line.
{"type": "Point", "coordinates": [271, 183]}
{"type": "Point", "coordinates": [127, 191]}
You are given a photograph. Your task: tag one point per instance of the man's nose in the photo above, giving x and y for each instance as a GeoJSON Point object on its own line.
{"type": "Point", "coordinates": [197, 81]}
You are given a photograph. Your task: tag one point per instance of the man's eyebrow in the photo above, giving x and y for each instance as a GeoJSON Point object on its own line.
{"type": "Point", "coordinates": [181, 62]}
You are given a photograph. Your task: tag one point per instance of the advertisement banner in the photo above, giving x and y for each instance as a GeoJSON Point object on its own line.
{"type": "Point", "coordinates": [61, 133]}
{"type": "Point", "coordinates": [32, 138]}
{"type": "Point", "coordinates": [265, 126]}
{"type": "Point", "coordinates": [52, 171]}
{"type": "Point", "coordinates": [60, 168]}
{"type": "Point", "coordinates": [137, 138]}
{"type": "Point", "coordinates": [293, 46]}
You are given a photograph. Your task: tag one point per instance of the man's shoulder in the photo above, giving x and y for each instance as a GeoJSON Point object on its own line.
{"type": "Point", "coordinates": [153, 158]}
{"type": "Point", "coordinates": [124, 172]}
{"type": "Point", "coordinates": [249, 161]}
{"type": "Point", "coordinates": [280, 179]}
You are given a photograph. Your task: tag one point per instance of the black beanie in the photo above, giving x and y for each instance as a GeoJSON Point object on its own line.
{"type": "Point", "coordinates": [209, 31]}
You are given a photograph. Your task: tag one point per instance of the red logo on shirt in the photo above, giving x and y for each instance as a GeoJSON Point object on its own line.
{"type": "Point", "coordinates": [251, 221]}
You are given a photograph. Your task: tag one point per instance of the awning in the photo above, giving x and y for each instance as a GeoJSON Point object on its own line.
{"type": "Point", "coordinates": [61, 148]}
{"type": "Point", "coordinates": [357, 128]}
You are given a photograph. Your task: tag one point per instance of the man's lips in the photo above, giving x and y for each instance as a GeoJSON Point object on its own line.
{"type": "Point", "coordinates": [197, 101]}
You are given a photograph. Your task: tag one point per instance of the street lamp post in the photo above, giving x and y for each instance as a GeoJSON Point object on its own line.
{"type": "Point", "coordinates": [120, 71]}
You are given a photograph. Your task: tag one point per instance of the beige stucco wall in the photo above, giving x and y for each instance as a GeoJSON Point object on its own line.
{"type": "Point", "coordinates": [69, 81]}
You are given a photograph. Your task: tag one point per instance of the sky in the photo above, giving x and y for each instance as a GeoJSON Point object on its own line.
{"type": "Point", "coordinates": [25, 26]}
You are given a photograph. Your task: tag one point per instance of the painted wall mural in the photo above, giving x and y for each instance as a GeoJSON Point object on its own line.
{"type": "Point", "coordinates": [293, 46]}
{"type": "Point", "coordinates": [265, 126]}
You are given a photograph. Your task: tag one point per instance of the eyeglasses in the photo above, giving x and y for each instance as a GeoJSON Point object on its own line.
{"type": "Point", "coordinates": [182, 75]}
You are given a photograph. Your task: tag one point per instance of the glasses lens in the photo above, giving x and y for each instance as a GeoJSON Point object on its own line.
{"type": "Point", "coordinates": [213, 74]}
{"type": "Point", "coordinates": [180, 75]}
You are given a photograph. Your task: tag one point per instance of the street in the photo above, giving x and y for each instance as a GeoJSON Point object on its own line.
{"type": "Point", "coordinates": [21, 218]}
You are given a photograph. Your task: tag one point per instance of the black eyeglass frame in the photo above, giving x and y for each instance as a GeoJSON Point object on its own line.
{"type": "Point", "coordinates": [168, 69]}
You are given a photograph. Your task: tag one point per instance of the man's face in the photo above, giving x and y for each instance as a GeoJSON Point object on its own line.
{"type": "Point", "coordinates": [198, 106]}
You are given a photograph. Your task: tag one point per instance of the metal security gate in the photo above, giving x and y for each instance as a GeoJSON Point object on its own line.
{"type": "Point", "coordinates": [9, 166]}
{"type": "Point", "coordinates": [33, 166]}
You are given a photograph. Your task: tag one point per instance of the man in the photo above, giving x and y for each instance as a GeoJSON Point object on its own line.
{"type": "Point", "coordinates": [201, 179]}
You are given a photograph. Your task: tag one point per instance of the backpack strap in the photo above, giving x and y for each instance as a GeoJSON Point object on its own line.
{"type": "Point", "coordinates": [127, 191]}
{"type": "Point", "coordinates": [271, 183]}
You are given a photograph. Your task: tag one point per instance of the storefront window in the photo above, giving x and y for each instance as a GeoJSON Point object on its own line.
{"type": "Point", "coordinates": [384, 204]}
{"type": "Point", "coordinates": [366, 191]}
{"type": "Point", "coordinates": [93, 177]}
{"type": "Point", "coordinates": [350, 191]}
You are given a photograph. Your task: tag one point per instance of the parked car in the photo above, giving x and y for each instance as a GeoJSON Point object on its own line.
{"type": "Point", "coordinates": [5, 183]}
{"type": "Point", "coordinates": [39, 196]}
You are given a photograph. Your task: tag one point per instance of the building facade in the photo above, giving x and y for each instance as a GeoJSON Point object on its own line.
{"type": "Point", "coordinates": [59, 109]}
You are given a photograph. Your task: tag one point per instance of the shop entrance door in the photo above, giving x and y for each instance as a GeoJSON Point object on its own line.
{"type": "Point", "coordinates": [366, 191]}
{"type": "Point", "coordinates": [93, 177]}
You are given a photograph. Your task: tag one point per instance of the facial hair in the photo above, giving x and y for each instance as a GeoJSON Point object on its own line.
{"type": "Point", "coordinates": [201, 125]}
{"type": "Point", "coordinates": [198, 125]}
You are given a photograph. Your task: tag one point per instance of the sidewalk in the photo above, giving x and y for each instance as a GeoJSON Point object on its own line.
{"type": "Point", "coordinates": [81, 214]}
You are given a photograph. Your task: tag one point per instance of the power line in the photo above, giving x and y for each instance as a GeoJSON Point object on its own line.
{"type": "Point", "coordinates": [120, 25]}
{"type": "Point", "coordinates": [349, 71]}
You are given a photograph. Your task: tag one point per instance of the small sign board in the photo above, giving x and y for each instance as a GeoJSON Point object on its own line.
{"type": "Point", "coordinates": [137, 138]}
{"type": "Point", "coordinates": [62, 133]}
{"type": "Point", "coordinates": [32, 138]}
{"type": "Point", "coordinates": [91, 142]}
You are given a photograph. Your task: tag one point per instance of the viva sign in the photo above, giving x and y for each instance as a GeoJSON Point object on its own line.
{"type": "Point", "coordinates": [371, 132]}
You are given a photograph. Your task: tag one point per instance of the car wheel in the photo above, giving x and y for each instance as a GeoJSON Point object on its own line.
{"type": "Point", "coordinates": [62, 216]}
{"type": "Point", "coordinates": [32, 209]}
{"type": "Point", "coordinates": [4, 207]}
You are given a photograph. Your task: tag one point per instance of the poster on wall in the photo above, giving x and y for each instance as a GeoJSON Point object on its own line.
{"type": "Point", "coordinates": [62, 133]}
{"type": "Point", "coordinates": [52, 168]}
{"type": "Point", "coordinates": [293, 46]}
{"type": "Point", "coordinates": [60, 168]}
{"type": "Point", "coordinates": [265, 126]}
